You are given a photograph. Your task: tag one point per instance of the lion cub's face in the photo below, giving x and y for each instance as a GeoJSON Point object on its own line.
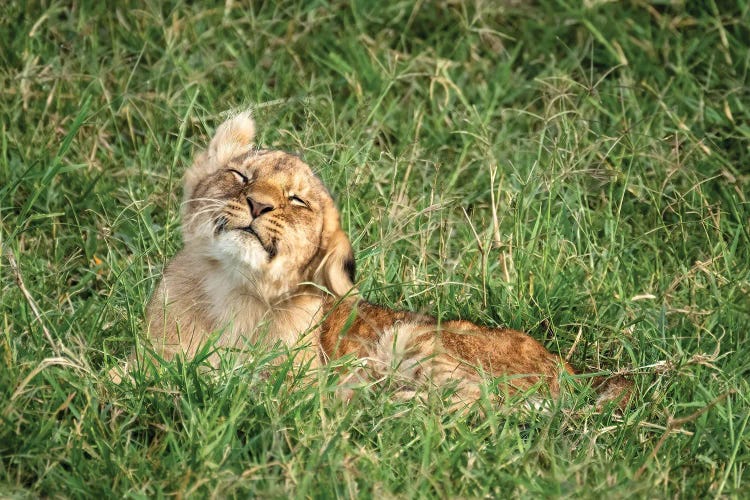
{"type": "Point", "coordinates": [259, 209]}
{"type": "Point", "coordinates": [264, 217]}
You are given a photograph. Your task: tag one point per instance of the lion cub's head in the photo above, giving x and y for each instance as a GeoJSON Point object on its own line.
{"type": "Point", "coordinates": [263, 217]}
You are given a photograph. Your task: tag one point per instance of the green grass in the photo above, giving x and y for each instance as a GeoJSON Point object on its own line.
{"type": "Point", "coordinates": [610, 143]}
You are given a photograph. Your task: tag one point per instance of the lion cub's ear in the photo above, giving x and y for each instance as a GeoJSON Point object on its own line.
{"type": "Point", "coordinates": [233, 137]}
{"type": "Point", "coordinates": [337, 270]}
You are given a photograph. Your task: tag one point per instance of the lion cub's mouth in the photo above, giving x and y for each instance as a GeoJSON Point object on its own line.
{"type": "Point", "coordinates": [268, 247]}
{"type": "Point", "coordinates": [250, 230]}
{"type": "Point", "coordinates": [221, 226]}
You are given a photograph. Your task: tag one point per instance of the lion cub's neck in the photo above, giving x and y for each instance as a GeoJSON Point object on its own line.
{"type": "Point", "coordinates": [250, 311]}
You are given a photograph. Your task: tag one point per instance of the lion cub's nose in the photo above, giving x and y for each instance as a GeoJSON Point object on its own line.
{"type": "Point", "coordinates": [258, 208]}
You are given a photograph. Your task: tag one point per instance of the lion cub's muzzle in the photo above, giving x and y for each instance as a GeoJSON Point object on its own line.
{"type": "Point", "coordinates": [248, 223]}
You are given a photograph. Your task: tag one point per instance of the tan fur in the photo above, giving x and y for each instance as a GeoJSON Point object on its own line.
{"type": "Point", "coordinates": [265, 259]}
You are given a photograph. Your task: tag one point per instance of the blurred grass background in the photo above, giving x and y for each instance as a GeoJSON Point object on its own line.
{"type": "Point", "coordinates": [576, 170]}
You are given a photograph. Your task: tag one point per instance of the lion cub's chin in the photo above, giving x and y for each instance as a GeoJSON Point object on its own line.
{"type": "Point", "coordinates": [246, 265]}
{"type": "Point", "coordinates": [237, 248]}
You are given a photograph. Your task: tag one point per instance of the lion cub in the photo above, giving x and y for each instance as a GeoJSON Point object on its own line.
{"type": "Point", "coordinates": [265, 258]}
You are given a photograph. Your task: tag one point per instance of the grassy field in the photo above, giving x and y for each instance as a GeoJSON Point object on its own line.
{"type": "Point", "coordinates": [576, 171]}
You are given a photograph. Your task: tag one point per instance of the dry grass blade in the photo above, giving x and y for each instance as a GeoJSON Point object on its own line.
{"type": "Point", "coordinates": [674, 424]}
{"type": "Point", "coordinates": [30, 300]}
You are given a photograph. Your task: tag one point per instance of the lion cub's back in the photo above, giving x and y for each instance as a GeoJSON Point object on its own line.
{"type": "Point", "coordinates": [420, 347]}
{"type": "Point", "coordinates": [503, 352]}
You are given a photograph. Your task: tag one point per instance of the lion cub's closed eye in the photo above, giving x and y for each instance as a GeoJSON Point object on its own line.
{"type": "Point", "coordinates": [265, 258]}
